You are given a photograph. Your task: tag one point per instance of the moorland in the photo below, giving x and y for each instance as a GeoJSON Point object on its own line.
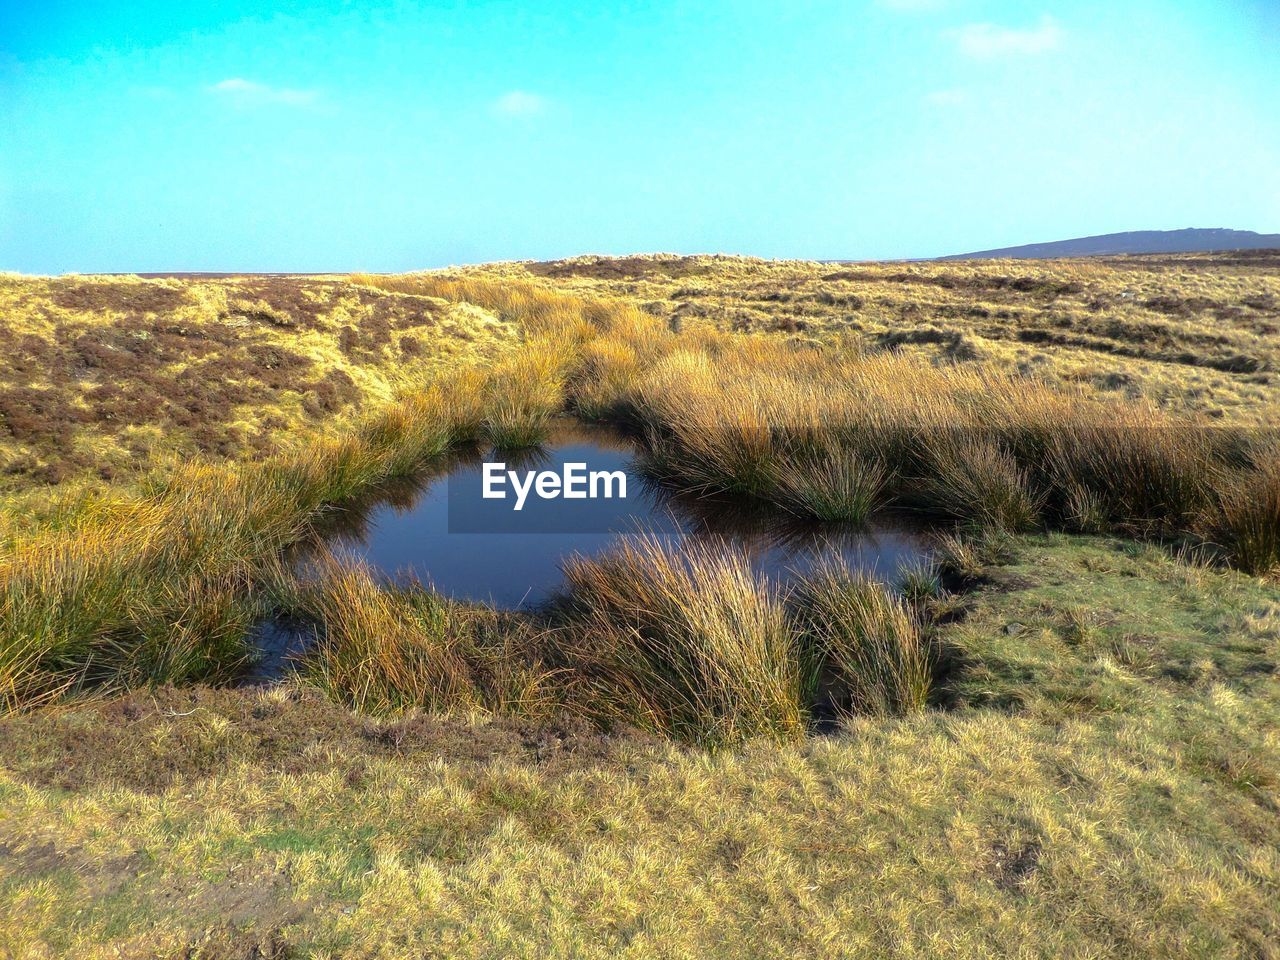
{"type": "Point", "coordinates": [1059, 738]}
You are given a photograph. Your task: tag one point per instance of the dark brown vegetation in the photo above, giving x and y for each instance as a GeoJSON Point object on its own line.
{"type": "Point", "coordinates": [99, 374]}
{"type": "Point", "coordinates": [125, 742]}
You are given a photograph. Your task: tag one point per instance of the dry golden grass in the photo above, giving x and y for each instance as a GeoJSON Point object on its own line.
{"type": "Point", "coordinates": [1196, 333]}
{"type": "Point", "coordinates": [162, 586]}
{"type": "Point", "coordinates": [829, 433]}
{"type": "Point", "coordinates": [380, 653]}
{"type": "Point", "coordinates": [1193, 334]}
{"type": "Point", "coordinates": [104, 378]}
{"type": "Point", "coordinates": [1102, 782]}
{"type": "Point", "coordinates": [686, 642]}
{"type": "Point", "coordinates": [749, 416]}
{"type": "Point", "coordinates": [392, 649]}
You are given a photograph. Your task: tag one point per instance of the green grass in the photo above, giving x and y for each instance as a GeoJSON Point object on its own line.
{"type": "Point", "coordinates": [1100, 793]}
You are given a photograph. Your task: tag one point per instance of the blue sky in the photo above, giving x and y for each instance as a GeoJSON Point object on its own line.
{"type": "Point", "coordinates": [224, 135]}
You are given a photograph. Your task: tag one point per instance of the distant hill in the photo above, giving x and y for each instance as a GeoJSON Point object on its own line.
{"type": "Point", "coordinates": [1191, 240]}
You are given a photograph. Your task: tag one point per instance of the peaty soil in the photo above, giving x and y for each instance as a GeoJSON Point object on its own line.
{"type": "Point", "coordinates": [149, 740]}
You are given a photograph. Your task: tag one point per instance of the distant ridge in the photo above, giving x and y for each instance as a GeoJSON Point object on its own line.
{"type": "Point", "coordinates": [1191, 240]}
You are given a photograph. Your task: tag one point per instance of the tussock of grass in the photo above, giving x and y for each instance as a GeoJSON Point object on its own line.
{"type": "Point", "coordinates": [1137, 464]}
{"type": "Point", "coordinates": [524, 392]}
{"type": "Point", "coordinates": [193, 631]}
{"type": "Point", "coordinates": [694, 645]}
{"type": "Point", "coordinates": [841, 488]}
{"type": "Point", "coordinates": [382, 650]}
{"type": "Point", "coordinates": [1084, 511]}
{"type": "Point", "coordinates": [390, 648]}
{"type": "Point", "coordinates": [412, 430]}
{"type": "Point", "coordinates": [867, 642]}
{"type": "Point", "coordinates": [703, 437]}
{"type": "Point", "coordinates": [690, 644]}
{"type": "Point", "coordinates": [608, 371]}
{"type": "Point", "coordinates": [974, 481]}
{"type": "Point", "coordinates": [151, 594]}
{"type": "Point", "coordinates": [1247, 518]}
{"type": "Point", "coordinates": [921, 582]}
{"type": "Point", "coordinates": [967, 556]}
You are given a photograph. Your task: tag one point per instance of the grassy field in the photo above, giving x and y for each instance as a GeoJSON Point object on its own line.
{"type": "Point", "coordinates": [1060, 741]}
{"type": "Point", "coordinates": [106, 377]}
{"type": "Point", "coordinates": [1195, 332]}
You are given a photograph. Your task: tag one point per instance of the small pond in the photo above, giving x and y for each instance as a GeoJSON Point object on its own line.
{"type": "Point", "coordinates": [439, 529]}
{"type": "Point", "coordinates": [442, 530]}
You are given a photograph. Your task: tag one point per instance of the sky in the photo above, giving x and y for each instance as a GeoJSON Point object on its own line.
{"type": "Point", "coordinates": [335, 136]}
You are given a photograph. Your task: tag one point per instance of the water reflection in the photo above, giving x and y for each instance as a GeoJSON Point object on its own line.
{"type": "Point", "coordinates": [411, 527]}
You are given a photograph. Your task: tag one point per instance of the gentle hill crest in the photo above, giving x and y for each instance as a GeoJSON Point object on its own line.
{"type": "Point", "coordinates": [1189, 240]}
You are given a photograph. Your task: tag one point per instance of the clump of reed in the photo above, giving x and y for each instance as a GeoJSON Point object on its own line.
{"type": "Point", "coordinates": [415, 428]}
{"type": "Point", "coordinates": [605, 379]}
{"type": "Point", "coordinates": [704, 437]}
{"type": "Point", "coordinates": [689, 643]}
{"type": "Point", "coordinates": [384, 650]}
{"type": "Point", "coordinates": [511, 426]}
{"type": "Point", "coordinates": [197, 630]}
{"type": "Point", "coordinates": [388, 647]}
{"type": "Point", "coordinates": [1137, 465]}
{"type": "Point", "coordinates": [966, 555]}
{"type": "Point", "coordinates": [974, 481]}
{"type": "Point", "coordinates": [524, 392]}
{"type": "Point", "coordinates": [921, 583]}
{"type": "Point", "coordinates": [152, 592]}
{"type": "Point", "coordinates": [864, 641]}
{"type": "Point", "coordinates": [1245, 519]}
{"type": "Point", "coordinates": [841, 488]}
{"type": "Point", "coordinates": [762, 418]}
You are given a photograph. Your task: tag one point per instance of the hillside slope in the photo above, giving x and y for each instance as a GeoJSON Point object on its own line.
{"type": "Point", "coordinates": [1190, 240]}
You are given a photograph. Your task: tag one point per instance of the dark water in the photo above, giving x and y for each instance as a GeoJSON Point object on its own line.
{"type": "Point", "coordinates": [442, 531]}
{"type": "Point", "coordinates": [439, 529]}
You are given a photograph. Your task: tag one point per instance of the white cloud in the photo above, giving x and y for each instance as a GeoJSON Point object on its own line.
{"type": "Point", "coordinates": [519, 103]}
{"type": "Point", "coordinates": [947, 98]}
{"type": "Point", "coordinates": [987, 40]}
{"type": "Point", "coordinates": [246, 92]}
